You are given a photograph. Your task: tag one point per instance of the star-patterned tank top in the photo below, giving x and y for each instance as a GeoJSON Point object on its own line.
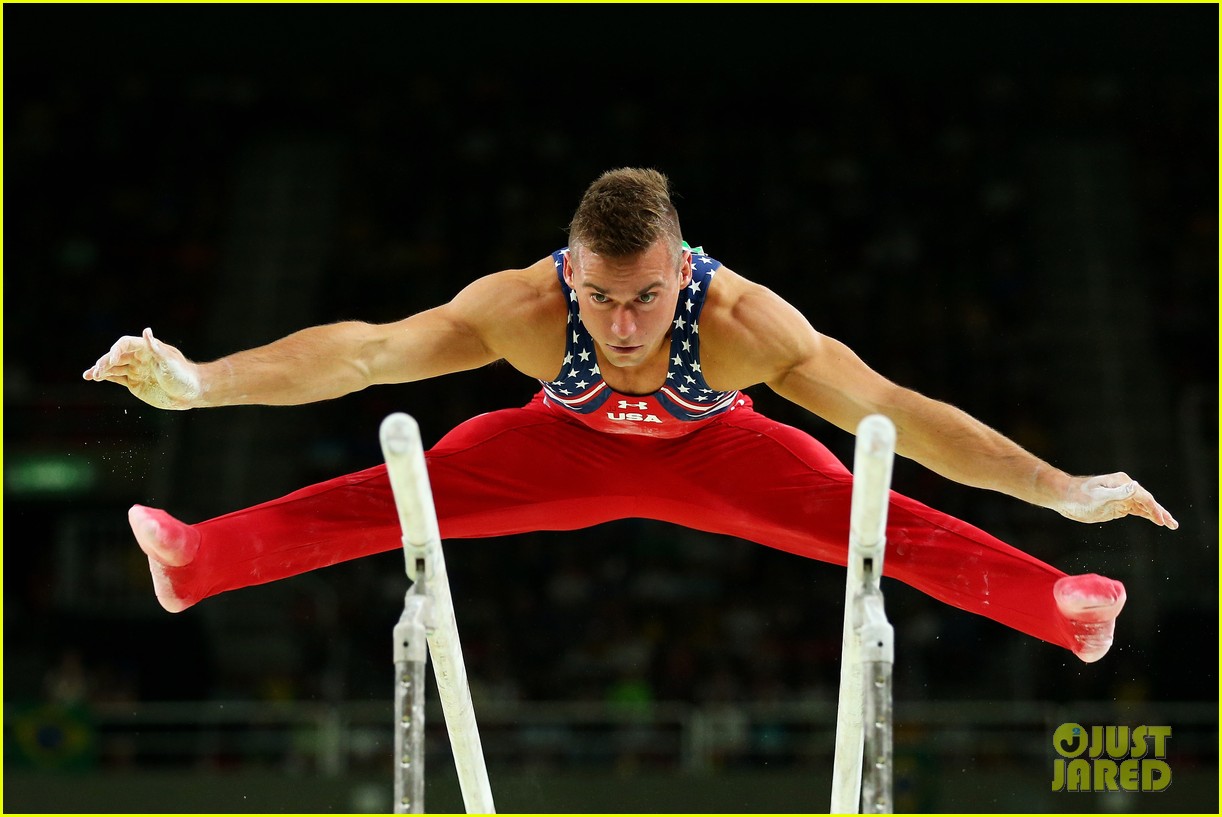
{"type": "Point", "coordinates": [683, 402]}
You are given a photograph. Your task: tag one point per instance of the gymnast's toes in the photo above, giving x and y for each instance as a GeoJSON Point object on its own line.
{"type": "Point", "coordinates": [1091, 604]}
{"type": "Point", "coordinates": [162, 537]}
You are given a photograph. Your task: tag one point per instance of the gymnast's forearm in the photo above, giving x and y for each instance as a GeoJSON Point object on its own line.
{"type": "Point", "coordinates": [311, 365]}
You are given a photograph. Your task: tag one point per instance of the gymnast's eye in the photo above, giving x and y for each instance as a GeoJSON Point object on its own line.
{"type": "Point", "coordinates": [598, 297]}
{"type": "Point", "coordinates": [648, 297]}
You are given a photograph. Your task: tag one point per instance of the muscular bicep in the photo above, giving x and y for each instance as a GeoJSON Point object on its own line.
{"type": "Point", "coordinates": [761, 338]}
{"type": "Point", "coordinates": [827, 378]}
{"type": "Point", "coordinates": [830, 380]}
{"type": "Point", "coordinates": [429, 344]}
{"type": "Point", "coordinates": [515, 315]}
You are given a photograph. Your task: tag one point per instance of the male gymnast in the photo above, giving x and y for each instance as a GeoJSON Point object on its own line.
{"type": "Point", "coordinates": [643, 348]}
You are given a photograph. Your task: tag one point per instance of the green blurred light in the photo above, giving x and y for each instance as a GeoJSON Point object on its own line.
{"type": "Point", "coordinates": [48, 474]}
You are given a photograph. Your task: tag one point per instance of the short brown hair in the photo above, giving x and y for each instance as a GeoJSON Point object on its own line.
{"type": "Point", "coordinates": [624, 212]}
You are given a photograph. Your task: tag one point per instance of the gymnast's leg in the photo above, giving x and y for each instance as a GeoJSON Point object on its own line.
{"type": "Point", "coordinates": [497, 474]}
{"type": "Point", "coordinates": [757, 479]}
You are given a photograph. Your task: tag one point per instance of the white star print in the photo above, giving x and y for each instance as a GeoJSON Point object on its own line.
{"type": "Point", "coordinates": [574, 337]}
{"type": "Point", "coordinates": [684, 389]}
{"type": "Point", "coordinates": [567, 359]}
{"type": "Point", "coordinates": [695, 367]}
{"type": "Point", "coordinates": [584, 355]}
{"type": "Point", "coordinates": [695, 286]}
{"type": "Point", "coordinates": [581, 384]}
{"type": "Point", "coordinates": [572, 295]}
{"type": "Point", "coordinates": [687, 345]}
{"type": "Point", "coordinates": [678, 360]}
{"type": "Point", "coordinates": [680, 323]}
{"type": "Point", "coordinates": [695, 329]}
{"type": "Point", "coordinates": [689, 378]}
{"type": "Point", "coordinates": [595, 370]}
{"type": "Point", "coordinates": [573, 373]}
{"type": "Point", "coordinates": [689, 304]}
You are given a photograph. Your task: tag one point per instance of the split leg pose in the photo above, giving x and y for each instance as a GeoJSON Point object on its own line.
{"type": "Point", "coordinates": [643, 347]}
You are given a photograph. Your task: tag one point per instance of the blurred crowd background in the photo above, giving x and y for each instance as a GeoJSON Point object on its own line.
{"type": "Point", "coordinates": [1012, 211]}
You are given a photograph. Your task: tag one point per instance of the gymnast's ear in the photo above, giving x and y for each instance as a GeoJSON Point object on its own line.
{"type": "Point", "coordinates": [568, 268]}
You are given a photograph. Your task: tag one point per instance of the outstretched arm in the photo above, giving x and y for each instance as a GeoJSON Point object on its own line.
{"type": "Point", "coordinates": [827, 378]}
{"type": "Point", "coordinates": [314, 364]}
{"type": "Point", "coordinates": [325, 362]}
{"type": "Point", "coordinates": [956, 445]}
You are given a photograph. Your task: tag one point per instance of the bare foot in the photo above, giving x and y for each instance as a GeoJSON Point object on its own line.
{"type": "Point", "coordinates": [163, 537]}
{"type": "Point", "coordinates": [168, 544]}
{"type": "Point", "coordinates": [1091, 603]}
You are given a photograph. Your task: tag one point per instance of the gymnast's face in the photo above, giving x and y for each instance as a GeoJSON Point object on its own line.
{"type": "Point", "coordinates": [628, 304]}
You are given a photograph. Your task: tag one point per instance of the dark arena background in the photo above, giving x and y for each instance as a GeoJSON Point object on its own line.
{"type": "Point", "coordinates": [1010, 208]}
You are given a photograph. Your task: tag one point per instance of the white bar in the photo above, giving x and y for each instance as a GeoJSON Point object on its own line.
{"type": "Point", "coordinates": [409, 479]}
{"type": "Point", "coordinates": [873, 459]}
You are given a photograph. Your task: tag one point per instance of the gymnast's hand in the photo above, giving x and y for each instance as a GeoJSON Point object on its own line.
{"type": "Point", "coordinates": [1111, 496]}
{"type": "Point", "coordinates": [153, 371]}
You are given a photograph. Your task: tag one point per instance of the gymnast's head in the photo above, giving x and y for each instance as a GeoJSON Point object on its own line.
{"type": "Point", "coordinates": [623, 213]}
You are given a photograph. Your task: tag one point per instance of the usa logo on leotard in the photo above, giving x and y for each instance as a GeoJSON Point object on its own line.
{"type": "Point", "coordinates": [685, 396]}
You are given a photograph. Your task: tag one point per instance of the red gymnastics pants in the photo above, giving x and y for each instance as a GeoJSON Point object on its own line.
{"type": "Point", "coordinates": [528, 469]}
